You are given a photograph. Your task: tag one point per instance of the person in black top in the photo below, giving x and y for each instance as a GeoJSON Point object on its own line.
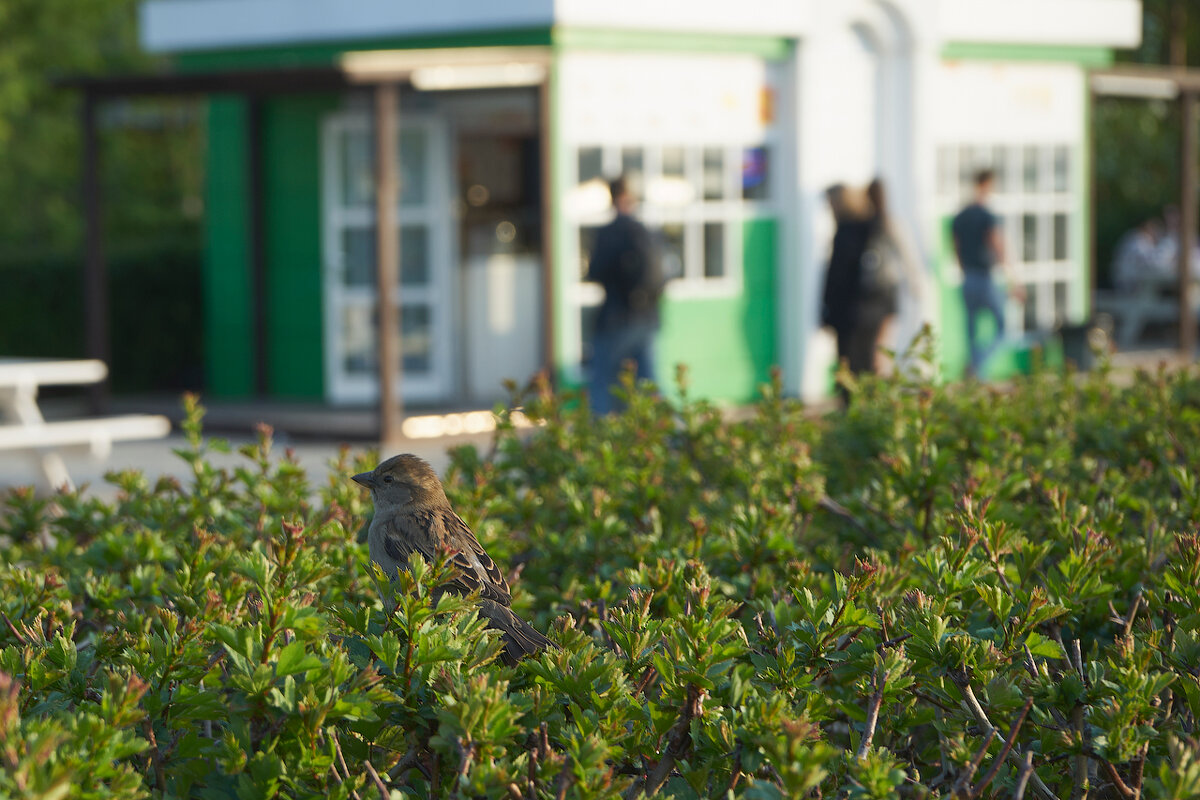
{"type": "Point", "coordinates": [979, 245]}
{"type": "Point", "coordinates": [855, 327]}
{"type": "Point", "coordinates": [623, 261]}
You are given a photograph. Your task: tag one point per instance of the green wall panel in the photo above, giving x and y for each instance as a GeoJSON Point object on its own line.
{"type": "Point", "coordinates": [295, 353]}
{"type": "Point", "coordinates": [1082, 55]}
{"type": "Point", "coordinates": [228, 330]}
{"type": "Point", "coordinates": [728, 344]}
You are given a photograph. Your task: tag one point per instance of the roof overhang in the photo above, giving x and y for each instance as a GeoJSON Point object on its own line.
{"type": "Point", "coordinates": [1145, 82]}
{"type": "Point", "coordinates": [1071, 23]}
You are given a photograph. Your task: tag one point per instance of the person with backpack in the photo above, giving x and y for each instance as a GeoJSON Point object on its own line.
{"type": "Point", "coordinates": [870, 259]}
{"type": "Point", "coordinates": [625, 262]}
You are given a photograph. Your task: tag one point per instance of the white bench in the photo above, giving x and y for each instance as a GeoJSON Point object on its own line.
{"type": "Point", "coordinates": [25, 429]}
{"type": "Point", "coordinates": [1153, 300]}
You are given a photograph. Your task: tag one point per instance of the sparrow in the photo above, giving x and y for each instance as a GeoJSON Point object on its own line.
{"type": "Point", "coordinates": [413, 514]}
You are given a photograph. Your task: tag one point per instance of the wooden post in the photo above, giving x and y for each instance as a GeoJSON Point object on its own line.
{"type": "Point", "coordinates": [546, 150]}
{"type": "Point", "coordinates": [95, 270]}
{"type": "Point", "coordinates": [387, 255]}
{"type": "Point", "coordinates": [257, 232]}
{"type": "Point", "coordinates": [1187, 220]}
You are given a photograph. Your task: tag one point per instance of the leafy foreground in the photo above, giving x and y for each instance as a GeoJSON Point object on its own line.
{"type": "Point", "coordinates": [941, 592]}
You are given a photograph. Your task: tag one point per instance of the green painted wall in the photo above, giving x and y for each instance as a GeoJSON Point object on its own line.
{"type": "Point", "coordinates": [1084, 56]}
{"type": "Point", "coordinates": [728, 344]}
{"type": "Point", "coordinates": [228, 328]}
{"type": "Point", "coordinates": [295, 350]}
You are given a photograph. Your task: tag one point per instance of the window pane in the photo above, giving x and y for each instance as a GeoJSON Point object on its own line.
{"type": "Point", "coordinates": [358, 338]}
{"type": "Point", "coordinates": [1060, 302]}
{"type": "Point", "coordinates": [1031, 306]}
{"type": "Point", "coordinates": [714, 250]}
{"type": "Point", "coordinates": [590, 164]}
{"type": "Point", "coordinates": [1062, 169]}
{"type": "Point", "coordinates": [1031, 161]}
{"type": "Point", "coordinates": [714, 173]}
{"type": "Point", "coordinates": [966, 170]}
{"type": "Point", "coordinates": [1029, 238]}
{"type": "Point", "coordinates": [756, 173]}
{"type": "Point", "coordinates": [1061, 237]}
{"type": "Point", "coordinates": [587, 329]}
{"type": "Point", "coordinates": [587, 240]}
{"type": "Point", "coordinates": [414, 167]}
{"type": "Point", "coordinates": [633, 166]}
{"type": "Point", "coordinates": [1000, 166]}
{"type": "Point", "coordinates": [358, 256]}
{"type": "Point", "coordinates": [358, 181]}
{"type": "Point", "coordinates": [416, 338]}
{"type": "Point", "coordinates": [672, 162]}
{"type": "Point", "coordinates": [672, 250]}
{"type": "Point", "coordinates": [414, 255]}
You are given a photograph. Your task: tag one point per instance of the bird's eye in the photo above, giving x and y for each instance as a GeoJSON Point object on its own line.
{"type": "Point", "coordinates": [388, 479]}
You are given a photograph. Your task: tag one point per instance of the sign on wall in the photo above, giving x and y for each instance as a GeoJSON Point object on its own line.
{"type": "Point", "coordinates": [664, 98]}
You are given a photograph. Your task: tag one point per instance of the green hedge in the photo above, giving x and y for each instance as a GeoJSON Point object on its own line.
{"type": "Point", "coordinates": [942, 591]}
{"type": "Point", "coordinates": [156, 313]}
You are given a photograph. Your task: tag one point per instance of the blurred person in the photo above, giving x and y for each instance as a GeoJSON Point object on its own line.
{"type": "Point", "coordinates": [1166, 256]}
{"type": "Point", "coordinates": [890, 259]}
{"type": "Point", "coordinates": [625, 262]}
{"type": "Point", "coordinates": [1139, 255]}
{"type": "Point", "coordinates": [839, 302]}
{"type": "Point", "coordinates": [979, 245]}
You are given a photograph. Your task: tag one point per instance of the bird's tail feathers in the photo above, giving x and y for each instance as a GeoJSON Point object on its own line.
{"type": "Point", "coordinates": [520, 638]}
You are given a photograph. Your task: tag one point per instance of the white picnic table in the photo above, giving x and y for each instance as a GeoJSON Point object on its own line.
{"type": "Point", "coordinates": [23, 428]}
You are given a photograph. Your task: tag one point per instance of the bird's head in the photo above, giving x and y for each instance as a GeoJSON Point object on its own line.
{"type": "Point", "coordinates": [403, 480]}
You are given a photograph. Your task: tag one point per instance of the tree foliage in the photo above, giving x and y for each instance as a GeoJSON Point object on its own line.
{"type": "Point", "coordinates": [941, 592]}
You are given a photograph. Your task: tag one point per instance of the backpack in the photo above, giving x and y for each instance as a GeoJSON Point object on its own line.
{"type": "Point", "coordinates": [879, 275]}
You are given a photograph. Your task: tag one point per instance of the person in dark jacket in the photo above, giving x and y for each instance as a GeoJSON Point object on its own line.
{"type": "Point", "coordinates": [624, 262]}
{"type": "Point", "coordinates": [840, 303]}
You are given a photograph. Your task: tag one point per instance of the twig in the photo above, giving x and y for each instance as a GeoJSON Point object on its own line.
{"type": "Point", "coordinates": [1023, 775]}
{"type": "Point", "coordinates": [1111, 773]}
{"type": "Point", "coordinates": [1009, 742]}
{"type": "Point", "coordinates": [160, 780]}
{"type": "Point", "coordinates": [383, 792]}
{"type": "Point", "coordinates": [406, 762]}
{"type": "Point", "coordinates": [877, 680]}
{"type": "Point", "coordinates": [563, 780]}
{"type": "Point", "coordinates": [1079, 768]}
{"type": "Point", "coordinates": [893, 642]}
{"type": "Point", "coordinates": [962, 786]}
{"type": "Point", "coordinates": [679, 740]}
{"type": "Point", "coordinates": [464, 766]}
{"type": "Point", "coordinates": [839, 510]}
{"type": "Point", "coordinates": [23, 641]}
{"type": "Point", "coordinates": [513, 792]}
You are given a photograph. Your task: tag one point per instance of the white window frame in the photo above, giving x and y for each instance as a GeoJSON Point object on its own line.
{"type": "Point", "coordinates": [1012, 202]}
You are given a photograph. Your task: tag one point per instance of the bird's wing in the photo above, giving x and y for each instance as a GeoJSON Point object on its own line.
{"type": "Point", "coordinates": [424, 531]}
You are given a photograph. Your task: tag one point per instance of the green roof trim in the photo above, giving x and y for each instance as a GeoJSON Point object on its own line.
{"type": "Point", "coordinates": [768, 47]}
{"type": "Point", "coordinates": [327, 53]}
{"type": "Point", "coordinates": [1084, 56]}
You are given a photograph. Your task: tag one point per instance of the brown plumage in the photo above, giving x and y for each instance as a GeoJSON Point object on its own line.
{"type": "Point", "coordinates": [413, 514]}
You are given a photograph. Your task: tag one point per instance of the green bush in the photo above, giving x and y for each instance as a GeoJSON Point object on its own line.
{"type": "Point", "coordinates": [940, 592]}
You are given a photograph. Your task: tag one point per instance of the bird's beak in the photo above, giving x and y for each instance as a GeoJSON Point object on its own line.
{"type": "Point", "coordinates": [364, 479]}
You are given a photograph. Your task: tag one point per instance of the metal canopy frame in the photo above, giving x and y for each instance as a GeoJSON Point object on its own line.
{"type": "Point", "coordinates": [380, 73]}
{"type": "Point", "coordinates": [1183, 86]}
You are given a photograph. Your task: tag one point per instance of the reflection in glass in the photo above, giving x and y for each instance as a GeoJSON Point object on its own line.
{"type": "Point", "coordinates": [1060, 237]}
{"type": "Point", "coordinates": [358, 254]}
{"type": "Point", "coordinates": [1029, 237]}
{"type": "Point", "coordinates": [714, 250]}
{"type": "Point", "coordinates": [633, 165]}
{"type": "Point", "coordinates": [1000, 166]}
{"type": "Point", "coordinates": [1060, 302]}
{"type": "Point", "coordinates": [358, 338]}
{"type": "Point", "coordinates": [590, 164]}
{"type": "Point", "coordinates": [672, 252]}
{"type": "Point", "coordinates": [714, 173]}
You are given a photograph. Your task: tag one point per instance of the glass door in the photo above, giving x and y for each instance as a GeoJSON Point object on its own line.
{"type": "Point", "coordinates": [351, 351]}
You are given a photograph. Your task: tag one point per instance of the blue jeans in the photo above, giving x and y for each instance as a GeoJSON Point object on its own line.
{"type": "Point", "coordinates": [981, 294]}
{"type": "Point", "coordinates": [610, 349]}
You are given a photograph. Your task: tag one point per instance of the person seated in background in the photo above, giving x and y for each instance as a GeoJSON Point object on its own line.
{"type": "Point", "coordinates": [1166, 253]}
{"type": "Point", "coordinates": [1138, 256]}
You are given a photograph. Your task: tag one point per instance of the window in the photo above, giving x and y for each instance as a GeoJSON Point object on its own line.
{"type": "Point", "coordinates": [1037, 201]}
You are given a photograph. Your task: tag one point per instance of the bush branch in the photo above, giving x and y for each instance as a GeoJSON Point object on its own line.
{"type": "Point", "coordinates": [877, 680]}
